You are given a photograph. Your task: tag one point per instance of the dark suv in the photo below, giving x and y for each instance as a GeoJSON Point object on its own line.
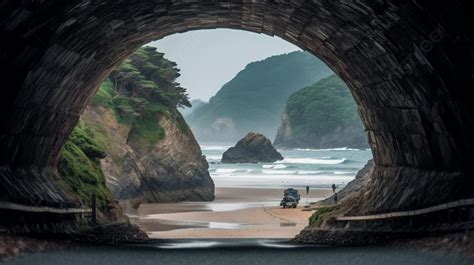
{"type": "Point", "coordinates": [293, 193]}
{"type": "Point", "coordinates": [291, 198]}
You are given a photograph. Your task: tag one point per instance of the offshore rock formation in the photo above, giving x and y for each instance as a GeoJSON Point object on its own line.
{"type": "Point", "coordinates": [323, 115]}
{"type": "Point", "coordinates": [253, 148]}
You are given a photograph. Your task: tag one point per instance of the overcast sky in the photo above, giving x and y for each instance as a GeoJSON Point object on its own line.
{"type": "Point", "coordinates": [210, 58]}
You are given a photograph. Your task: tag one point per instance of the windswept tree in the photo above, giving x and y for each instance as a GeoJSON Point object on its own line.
{"type": "Point", "coordinates": [150, 80]}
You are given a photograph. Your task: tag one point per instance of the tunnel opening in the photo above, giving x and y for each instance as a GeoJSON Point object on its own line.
{"type": "Point", "coordinates": [408, 66]}
{"type": "Point", "coordinates": [145, 172]}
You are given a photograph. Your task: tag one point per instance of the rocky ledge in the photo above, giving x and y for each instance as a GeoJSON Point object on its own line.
{"type": "Point", "coordinates": [253, 148]}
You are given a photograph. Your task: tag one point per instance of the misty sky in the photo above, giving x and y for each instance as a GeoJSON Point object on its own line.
{"type": "Point", "coordinates": [210, 58]}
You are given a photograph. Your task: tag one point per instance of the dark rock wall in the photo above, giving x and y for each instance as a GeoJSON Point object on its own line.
{"type": "Point", "coordinates": [409, 65]}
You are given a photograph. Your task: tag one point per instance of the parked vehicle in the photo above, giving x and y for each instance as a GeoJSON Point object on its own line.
{"type": "Point", "coordinates": [288, 202]}
{"type": "Point", "coordinates": [291, 198]}
{"type": "Point", "coordinates": [293, 193]}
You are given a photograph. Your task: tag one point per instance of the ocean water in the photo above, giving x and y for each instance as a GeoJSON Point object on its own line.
{"type": "Point", "coordinates": [317, 168]}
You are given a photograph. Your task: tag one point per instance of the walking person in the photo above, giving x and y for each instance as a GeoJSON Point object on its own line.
{"type": "Point", "coordinates": [307, 190]}
{"type": "Point", "coordinates": [335, 198]}
{"type": "Point", "coordinates": [333, 188]}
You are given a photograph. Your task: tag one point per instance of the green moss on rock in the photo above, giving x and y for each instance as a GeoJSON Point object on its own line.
{"type": "Point", "coordinates": [146, 132]}
{"type": "Point", "coordinates": [80, 170]}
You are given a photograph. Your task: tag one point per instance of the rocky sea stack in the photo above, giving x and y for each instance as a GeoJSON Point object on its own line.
{"type": "Point", "coordinates": [253, 148]}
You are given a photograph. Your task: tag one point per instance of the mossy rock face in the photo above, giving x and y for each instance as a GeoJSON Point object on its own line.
{"type": "Point", "coordinates": [80, 170]}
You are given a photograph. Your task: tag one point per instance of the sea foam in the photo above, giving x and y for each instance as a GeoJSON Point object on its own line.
{"type": "Point", "coordinates": [328, 149]}
{"type": "Point", "coordinates": [214, 147]}
{"type": "Point", "coordinates": [279, 166]}
{"type": "Point", "coordinates": [226, 170]}
{"type": "Point", "coordinates": [278, 172]}
{"type": "Point", "coordinates": [213, 157]}
{"type": "Point", "coordinates": [312, 161]}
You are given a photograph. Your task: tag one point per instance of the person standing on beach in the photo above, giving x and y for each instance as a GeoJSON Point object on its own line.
{"type": "Point", "coordinates": [333, 188]}
{"type": "Point", "coordinates": [335, 198]}
{"type": "Point", "coordinates": [307, 190]}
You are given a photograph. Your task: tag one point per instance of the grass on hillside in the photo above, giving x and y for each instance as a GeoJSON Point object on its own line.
{"type": "Point", "coordinates": [80, 170]}
{"type": "Point", "coordinates": [323, 214]}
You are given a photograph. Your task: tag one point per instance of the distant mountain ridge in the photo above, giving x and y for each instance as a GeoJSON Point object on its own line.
{"type": "Point", "coordinates": [323, 115]}
{"type": "Point", "coordinates": [254, 99]}
{"type": "Point", "coordinates": [195, 103]}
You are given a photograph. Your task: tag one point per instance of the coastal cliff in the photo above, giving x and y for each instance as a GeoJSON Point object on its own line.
{"type": "Point", "coordinates": [144, 150]}
{"type": "Point", "coordinates": [254, 98]}
{"type": "Point", "coordinates": [172, 170]}
{"type": "Point", "coordinates": [323, 115]}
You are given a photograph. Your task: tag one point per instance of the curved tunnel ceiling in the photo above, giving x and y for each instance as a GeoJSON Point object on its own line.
{"type": "Point", "coordinates": [409, 67]}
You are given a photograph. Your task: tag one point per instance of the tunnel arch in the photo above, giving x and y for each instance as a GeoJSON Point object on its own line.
{"type": "Point", "coordinates": [408, 64]}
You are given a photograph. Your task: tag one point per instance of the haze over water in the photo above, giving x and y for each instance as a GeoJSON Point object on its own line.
{"type": "Point", "coordinates": [317, 168]}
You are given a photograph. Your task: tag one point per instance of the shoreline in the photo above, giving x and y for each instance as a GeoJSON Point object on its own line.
{"type": "Point", "coordinates": [235, 213]}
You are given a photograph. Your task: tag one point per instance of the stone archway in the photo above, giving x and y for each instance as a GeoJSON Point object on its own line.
{"type": "Point", "coordinates": [408, 64]}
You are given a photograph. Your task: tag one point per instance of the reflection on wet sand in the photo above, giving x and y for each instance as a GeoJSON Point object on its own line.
{"type": "Point", "coordinates": [235, 213]}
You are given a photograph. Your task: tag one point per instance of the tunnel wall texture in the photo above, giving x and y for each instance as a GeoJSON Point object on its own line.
{"type": "Point", "coordinates": [409, 65]}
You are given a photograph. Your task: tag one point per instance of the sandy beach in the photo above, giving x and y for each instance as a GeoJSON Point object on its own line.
{"type": "Point", "coordinates": [235, 213]}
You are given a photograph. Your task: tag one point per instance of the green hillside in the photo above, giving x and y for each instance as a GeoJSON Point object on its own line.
{"type": "Point", "coordinates": [253, 100]}
{"type": "Point", "coordinates": [323, 115]}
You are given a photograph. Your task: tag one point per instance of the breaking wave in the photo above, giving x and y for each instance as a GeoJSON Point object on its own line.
{"type": "Point", "coordinates": [279, 166]}
{"type": "Point", "coordinates": [309, 172]}
{"type": "Point", "coordinates": [213, 157]}
{"type": "Point", "coordinates": [278, 172]}
{"type": "Point", "coordinates": [328, 149]}
{"type": "Point", "coordinates": [214, 147]}
{"type": "Point", "coordinates": [312, 161]}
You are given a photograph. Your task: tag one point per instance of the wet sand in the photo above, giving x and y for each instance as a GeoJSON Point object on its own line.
{"type": "Point", "coordinates": [235, 213]}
